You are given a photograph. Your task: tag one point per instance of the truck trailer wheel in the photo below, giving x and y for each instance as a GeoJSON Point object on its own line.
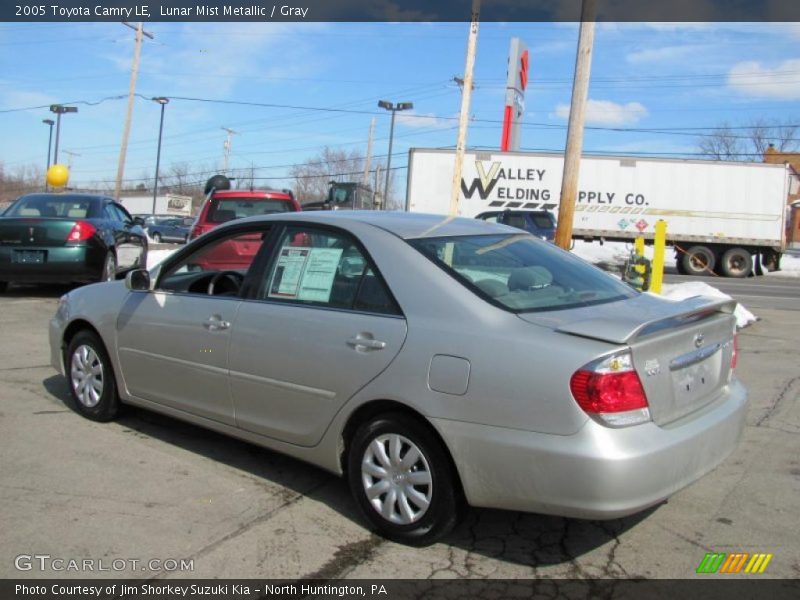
{"type": "Point", "coordinates": [698, 260]}
{"type": "Point", "coordinates": [736, 262]}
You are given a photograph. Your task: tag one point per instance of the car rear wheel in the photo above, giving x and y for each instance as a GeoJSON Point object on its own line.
{"type": "Point", "coordinates": [157, 238]}
{"type": "Point", "coordinates": [91, 377]}
{"type": "Point", "coordinates": [109, 267]}
{"type": "Point", "coordinates": [402, 480]}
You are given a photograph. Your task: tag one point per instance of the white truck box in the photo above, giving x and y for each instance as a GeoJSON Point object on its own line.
{"type": "Point", "coordinates": [169, 204]}
{"type": "Point", "coordinates": [715, 205]}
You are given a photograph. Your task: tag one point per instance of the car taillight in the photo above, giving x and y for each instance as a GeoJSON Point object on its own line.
{"type": "Point", "coordinates": [735, 352]}
{"type": "Point", "coordinates": [81, 231]}
{"type": "Point", "coordinates": [610, 391]}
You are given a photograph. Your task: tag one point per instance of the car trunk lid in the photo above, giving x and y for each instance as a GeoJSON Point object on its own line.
{"type": "Point", "coordinates": [681, 350]}
{"type": "Point", "coordinates": [35, 231]}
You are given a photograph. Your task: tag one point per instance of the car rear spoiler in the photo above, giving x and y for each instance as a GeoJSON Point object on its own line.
{"type": "Point", "coordinates": [622, 330]}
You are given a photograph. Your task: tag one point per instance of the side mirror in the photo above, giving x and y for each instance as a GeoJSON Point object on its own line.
{"type": "Point", "coordinates": [138, 280]}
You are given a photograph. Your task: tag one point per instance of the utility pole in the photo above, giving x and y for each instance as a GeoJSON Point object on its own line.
{"type": "Point", "coordinates": [226, 146]}
{"type": "Point", "coordinates": [377, 183]}
{"type": "Point", "coordinates": [577, 113]}
{"type": "Point", "coordinates": [466, 96]}
{"type": "Point", "coordinates": [368, 158]}
{"type": "Point", "coordinates": [123, 150]}
{"type": "Point", "coordinates": [393, 108]}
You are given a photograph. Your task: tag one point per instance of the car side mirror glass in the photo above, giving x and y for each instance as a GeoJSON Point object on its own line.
{"type": "Point", "coordinates": [138, 280]}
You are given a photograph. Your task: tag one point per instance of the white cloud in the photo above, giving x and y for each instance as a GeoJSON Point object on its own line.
{"type": "Point", "coordinates": [752, 79]}
{"type": "Point", "coordinates": [605, 112]}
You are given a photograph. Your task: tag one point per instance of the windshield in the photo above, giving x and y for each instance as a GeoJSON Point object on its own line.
{"type": "Point", "coordinates": [521, 273]}
{"type": "Point", "coordinates": [47, 205]}
{"type": "Point", "coordinates": [228, 209]}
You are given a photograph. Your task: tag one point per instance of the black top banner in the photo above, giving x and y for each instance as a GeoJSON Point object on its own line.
{"type": "Point", "coordinates": [398, 10]}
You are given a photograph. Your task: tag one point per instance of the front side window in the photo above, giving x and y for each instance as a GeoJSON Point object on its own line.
{"type": "Point", "coordinates": [218, 268]}
{"type": "Point", "coordinates": [520, 273]}
{"type": "Point", "coordinates": [326, 269]}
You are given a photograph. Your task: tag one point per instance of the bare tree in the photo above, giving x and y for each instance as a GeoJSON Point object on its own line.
{"type": "Point", "coordinates": [750, 143]}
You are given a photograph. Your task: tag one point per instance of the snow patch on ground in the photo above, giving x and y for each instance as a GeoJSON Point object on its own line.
{"type": "Point", "coordinates": [156, 256]}
{"type": "Point", "coordinates": [681, 291]}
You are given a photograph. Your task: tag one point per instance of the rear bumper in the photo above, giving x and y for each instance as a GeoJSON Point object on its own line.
{"type": "Point", "coordinates": [62, 265]}
{"type": "Point", "coordinates": [597, 473]}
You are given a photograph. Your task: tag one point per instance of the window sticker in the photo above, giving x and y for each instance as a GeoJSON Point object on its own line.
{"type": "Point", "coordinates": [305, 274]}
{"type": "Point", "coordinates": [288, 271]}
{"type": "Point", "coordinates": [317, 279]}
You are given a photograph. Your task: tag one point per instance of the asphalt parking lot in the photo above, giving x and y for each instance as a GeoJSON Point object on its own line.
{"type": "Point", "coordinates": [147, 487]}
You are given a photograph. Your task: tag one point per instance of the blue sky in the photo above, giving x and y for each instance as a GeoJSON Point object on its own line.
{"type": "Point", "coordinates": [650, 76]}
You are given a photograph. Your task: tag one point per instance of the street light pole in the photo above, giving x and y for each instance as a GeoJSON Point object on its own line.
{"type": "Point", "coordinates": [163, 102]}
{"type": "Point", "coordinates": [60, 109]}
{"type": "Point", "coordinates": [49, 123]}
{"type": "Point", "coordinates": [393, 108]}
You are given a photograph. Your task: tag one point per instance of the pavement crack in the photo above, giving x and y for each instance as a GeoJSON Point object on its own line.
{"type": "Point", "coordinates": [781, 395]}
{"type": "Point", "coordinates": [346, 558]}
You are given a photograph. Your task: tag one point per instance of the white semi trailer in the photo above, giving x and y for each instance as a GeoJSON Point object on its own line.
{"type": "Point", "coordinates": [721, 216]}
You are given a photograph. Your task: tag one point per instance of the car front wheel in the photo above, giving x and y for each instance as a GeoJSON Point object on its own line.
{"type": "Point", "coordinates": [402, 480]}
{"type": "Point", "coordinates": [91, 377]}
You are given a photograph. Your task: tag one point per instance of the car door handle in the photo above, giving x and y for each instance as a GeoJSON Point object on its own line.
{"type": "Point", "coordinates": [215, 323]}
{"type": "Point", "coordinates": [366, 343]}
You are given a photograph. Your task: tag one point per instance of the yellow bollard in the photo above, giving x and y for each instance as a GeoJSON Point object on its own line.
{"type": "Point", "coordinates": [658, 256]}
{"type": "Point", "coordinates": [638, 246]}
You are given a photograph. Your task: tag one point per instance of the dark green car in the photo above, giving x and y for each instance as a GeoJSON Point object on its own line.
{"type": "Point", "coordinates": [68, 238]}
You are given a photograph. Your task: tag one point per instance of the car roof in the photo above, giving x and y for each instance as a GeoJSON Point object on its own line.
{"type": "Point", "coordinates": [402, 224]}
{"type": "Point", "coordinates": [276, 194]}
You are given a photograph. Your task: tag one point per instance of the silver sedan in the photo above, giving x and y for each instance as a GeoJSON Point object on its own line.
{"type": "Point", "coordinates": [435, 363]}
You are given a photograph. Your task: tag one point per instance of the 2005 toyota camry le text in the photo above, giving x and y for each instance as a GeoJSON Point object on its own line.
{"type": "Point", "coordinates": [435, 363]}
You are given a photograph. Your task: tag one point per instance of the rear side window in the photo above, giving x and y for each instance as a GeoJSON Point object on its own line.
{"type": "Point", "coordinates": [223, 210]}
{"type": "Point", "coordinates": [517, 221]}
{"type": "Point", "coordinates": [326, 269]}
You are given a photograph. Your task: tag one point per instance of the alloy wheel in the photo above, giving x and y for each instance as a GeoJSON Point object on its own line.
{"type": "Point", "coordinates": [397, 479]}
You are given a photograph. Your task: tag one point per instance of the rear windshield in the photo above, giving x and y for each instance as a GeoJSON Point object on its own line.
{"type": "Point", "coordinates": [228, 209]}
{"type": "Point", "coordinates": [522, 274]}
{"type": "Point", "coordinates": [44, 205]}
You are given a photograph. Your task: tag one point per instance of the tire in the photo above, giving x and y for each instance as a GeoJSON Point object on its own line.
{"type": "Point", "coordinates": [408, 520]}
{"type": "Point", "coordinates": [92, 385]}
{"type": "Point", "coordinates": [736, 262]}
{"type": "Point", "coordinates": [109, 272]}
{"type": "Point", "coordinates": [157, 238]}
{"type": "Point", "coordinates": [698, 260]}
{"type": "Point", "coordinates": [186, 239]}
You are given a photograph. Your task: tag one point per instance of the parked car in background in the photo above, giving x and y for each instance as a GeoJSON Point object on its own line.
{"type": "Point", "coordinates": [541, 223]}
{"type": "Point", "coordinates": [227, 205]}
{"type": "Point", "coordinates": [65, 238]}
{"type": "Point", "coordinates": [169, 229]}
{"type": "Point", "coordinates": [430, 361]}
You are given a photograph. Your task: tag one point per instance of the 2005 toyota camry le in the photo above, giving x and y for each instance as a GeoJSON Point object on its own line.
{"type": "Point", "coordinates": [433, 362]}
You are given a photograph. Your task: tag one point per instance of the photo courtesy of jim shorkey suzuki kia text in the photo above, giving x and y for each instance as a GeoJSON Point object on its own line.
{"type": "Point", "coordinates": [147, 11]}
{"type": "Point", "coordinates": [219, 590]}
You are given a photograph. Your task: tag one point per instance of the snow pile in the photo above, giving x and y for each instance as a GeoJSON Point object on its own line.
{"type": "Point", "coordinates": [614, 253]}
{"type": "Point", "coordinates": [681, 291]}
{"type": "Point", "coordinates": [156, 256]}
